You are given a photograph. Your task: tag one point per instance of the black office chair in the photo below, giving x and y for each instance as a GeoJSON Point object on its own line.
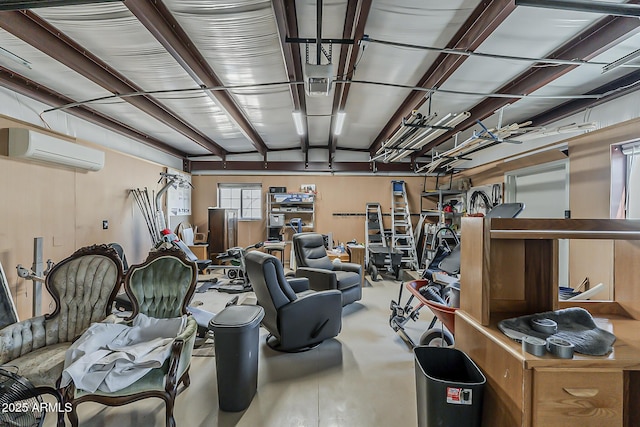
{"type": "Point", "coordinates": [313, 263]}
{"type": "Point", "coordinates": [296, 317]}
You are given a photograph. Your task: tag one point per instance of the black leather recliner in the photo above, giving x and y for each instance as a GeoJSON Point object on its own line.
{"type": "Point", "coordinates": [313, 263]}
{"type": "Point", "coordinates": [296, 317]}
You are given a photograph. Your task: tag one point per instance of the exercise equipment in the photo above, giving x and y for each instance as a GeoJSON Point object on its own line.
{"type": "Point", "coordinates": [233, 263]}
{"type": "Point", "coordinates": [152, 211]}
{"type": "Point", "coordinates": [171, 238]}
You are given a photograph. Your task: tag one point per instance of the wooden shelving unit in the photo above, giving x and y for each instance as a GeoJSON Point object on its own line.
{"type": "Point", "coordinates": [510, 268]}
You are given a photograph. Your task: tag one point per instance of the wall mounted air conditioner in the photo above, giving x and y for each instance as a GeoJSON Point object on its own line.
{"type": "Point", "coordinates": [32, 145]}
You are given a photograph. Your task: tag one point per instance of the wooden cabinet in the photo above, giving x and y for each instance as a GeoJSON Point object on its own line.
{"type": "Point", "coordinates": [580, 397]}
{"type": "Point", "coordinates": [200, 251]}
{"type": "Point", "coordinates": [223, 230]}
{"type": "Point", "coordinates": [510, 268]}
{"type": "Point", "coordinates": [507, 397]}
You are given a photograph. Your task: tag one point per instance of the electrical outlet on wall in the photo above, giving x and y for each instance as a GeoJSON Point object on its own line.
{"type": "Point", "coordinates": [105, 224]}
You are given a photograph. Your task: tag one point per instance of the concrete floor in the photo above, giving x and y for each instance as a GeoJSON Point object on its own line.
{"type": "Point", "coordinates": [364, 377]}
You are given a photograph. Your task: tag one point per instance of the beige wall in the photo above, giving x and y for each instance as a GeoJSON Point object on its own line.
{"type": "Point", "coordinates": [589, 197]}
{"type": "Point", "coordinates": [336, 194]}
{"type": "Point", "coordinates": [66, 209]}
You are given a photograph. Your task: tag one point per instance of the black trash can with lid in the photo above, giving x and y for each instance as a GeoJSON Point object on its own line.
{"type": "Point", "coordinates": [449, 388]}
{"type": "Point", "coordinates": [236, 334]}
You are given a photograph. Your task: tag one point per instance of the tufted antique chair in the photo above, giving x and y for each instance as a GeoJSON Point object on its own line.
{"type": "Point", "coordinates": [296, 317]}
{"type": "Point", "coordinates": [314, 264]}
{"type": "Point", "coordinates": [160, 287]}
{"type": "Point", "coordinates": [83, 287]}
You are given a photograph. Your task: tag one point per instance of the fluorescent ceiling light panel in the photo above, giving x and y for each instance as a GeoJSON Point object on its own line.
{"type": "Point", "coordinates": [339, 122]}
{"type": "Point", "coordinates": [297, 120]}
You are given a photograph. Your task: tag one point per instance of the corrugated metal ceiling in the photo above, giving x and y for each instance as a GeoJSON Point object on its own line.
{"type": "Point", "coordinates": [241, 44]}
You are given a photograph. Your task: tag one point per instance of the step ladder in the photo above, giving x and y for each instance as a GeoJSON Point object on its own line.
{"type": "Point", "coordinates": [402, 237]}
{"type": "Point", "coordinates": [429, 244]}
{"type": "Point", "coordinates": [373, 230]}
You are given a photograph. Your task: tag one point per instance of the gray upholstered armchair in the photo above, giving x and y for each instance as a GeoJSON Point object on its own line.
{"type": "Point", "coordinates": [296, 317]}
{"type": "Point", "coordinates": [313, 263]}
{"type": "Point", "coordinates": [160, 288]}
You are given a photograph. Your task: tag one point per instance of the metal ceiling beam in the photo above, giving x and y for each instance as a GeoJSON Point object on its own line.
{"type": "Point", "coordinates": [631, 10]}
{"type": "Point", "coordinates": [257, 166]}
{"type": "Point", "coordinates": [286, 20]}
{"type": "Point", "coordinates": [34, 90]}
{"type": "Point", "coordinates": [600, 36]}
{"type": "Point", "coordinates": [619, 87]}
{"type": "Point", "coordinates": [35, 31]}
{"type": "Point", "coordinates": [353, 29]}
{"type": "Point", "coordinates": [32, 4]}
{"type": "Point", "coordinates": [485, 18]}
{"type": "Point", "coordinates": [347, 32]}
{"type": "Point", "coordinates": [157, 18]}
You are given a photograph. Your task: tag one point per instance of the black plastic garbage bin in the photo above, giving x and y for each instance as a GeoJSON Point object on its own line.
{"type": "Point", "coordinates": [449, 388]}
{"type": "Point", "coordinates": [236, 334]}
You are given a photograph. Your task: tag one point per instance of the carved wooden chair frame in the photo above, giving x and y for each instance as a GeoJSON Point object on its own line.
{"type": "Point", "coordinates": [172, 382]}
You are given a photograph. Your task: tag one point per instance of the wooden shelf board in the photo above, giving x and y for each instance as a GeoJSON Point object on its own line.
{"type": "Point", "coordinates": [624, 355]}
{"type": "Point", "coordinates": [565, 234]}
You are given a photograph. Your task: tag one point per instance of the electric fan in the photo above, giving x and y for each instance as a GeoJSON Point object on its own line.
{"type": "Point", "coordinates": [20, 402]}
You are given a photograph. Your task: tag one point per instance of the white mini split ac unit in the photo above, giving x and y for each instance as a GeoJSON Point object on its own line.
{"type": "Point", "coordinates": [29, 144]}
{"type": "Point", "coordinates": [318, 79]}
